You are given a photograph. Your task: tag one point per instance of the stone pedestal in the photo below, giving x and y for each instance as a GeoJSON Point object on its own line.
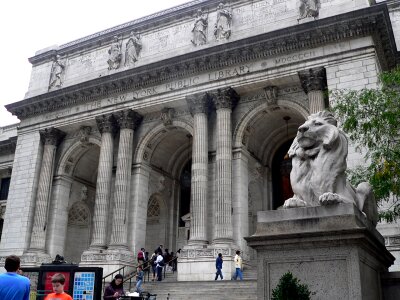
{"type": "Point", "coordinates": [333, 249]}
{"type": "Point", "coordinates": [198, 264]}
{"type": "Point", "coordinates": [110, 260]}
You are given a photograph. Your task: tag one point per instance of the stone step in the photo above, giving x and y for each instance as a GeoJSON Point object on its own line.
{"type": "Point", "coordinates": [207, 290]}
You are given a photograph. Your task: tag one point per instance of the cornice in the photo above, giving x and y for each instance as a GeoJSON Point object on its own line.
{"type": "Point", "coordinates": [372, 21]}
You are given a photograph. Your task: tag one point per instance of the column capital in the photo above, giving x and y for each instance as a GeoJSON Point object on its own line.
{"type": "Point", "coordinates": [198, 103]}
{"type": "Point", "coordinates": [225, 98]}
{"type": "Point", "coordinates": [51, 136]}
{"type": "Point", "coordinates": [313, 79]}
{"type": "Point", "coordinates": [106, 123]}
{"type": "Point", "coordinates": [128, 119]}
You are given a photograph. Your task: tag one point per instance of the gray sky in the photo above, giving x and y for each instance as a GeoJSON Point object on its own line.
{"type": "Point", "coordinates": [27, 26]}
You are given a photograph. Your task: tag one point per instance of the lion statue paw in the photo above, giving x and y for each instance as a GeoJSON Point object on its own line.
{"type": "Point", "coordinates": [294, 202]}
{"type": "Point", "coordinates": [329, 198]}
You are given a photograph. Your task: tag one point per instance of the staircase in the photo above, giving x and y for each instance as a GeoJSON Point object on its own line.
{"type": "Point", "coordinates": [199, 290]}
{"type": "Point", "coordinates": [171, 289]}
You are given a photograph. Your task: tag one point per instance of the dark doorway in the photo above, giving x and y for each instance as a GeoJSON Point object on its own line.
{"type": "Point", "coordinates": [185, 183]}
{"type": "Point", "coordinates": [281, 167]}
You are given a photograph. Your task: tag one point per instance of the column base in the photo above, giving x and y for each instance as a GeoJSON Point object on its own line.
{"type": "Point", "coordinates": [110, 260]}
{"type": "Point", "coordinates": [34, 258]}
{"type": "Point", "coordinates": [198, 264]}
{"type": "Point", "coordinates": [324, 247]}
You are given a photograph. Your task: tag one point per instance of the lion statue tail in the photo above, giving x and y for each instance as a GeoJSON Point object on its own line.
{"type": "Point", "coordinates": [366, 202]}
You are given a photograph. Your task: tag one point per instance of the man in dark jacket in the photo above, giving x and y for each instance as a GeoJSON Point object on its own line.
{"type": "Point", "coordinates": [218, 266]}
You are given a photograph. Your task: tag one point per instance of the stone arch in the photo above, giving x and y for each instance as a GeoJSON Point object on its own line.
{"type": "Point", "coordinates": [71, 156]}
{"type": "Point", "coordinates": [144, 149]}
{"type": "Point", "coordinates": [240, 128]}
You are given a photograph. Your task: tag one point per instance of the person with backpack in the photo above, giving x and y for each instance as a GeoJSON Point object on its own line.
{"type": "Point", "coordinates": [140, 256]}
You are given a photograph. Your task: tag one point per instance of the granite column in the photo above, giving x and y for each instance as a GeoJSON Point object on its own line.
{"type": "Point", "coordinates": [224, 101]}
{"type": "Point", "coordinates": [198, 105]}
{"type": "Point", "coordinates": [106, 125]}
{"type": "Point", "coordinates": [127, 120]}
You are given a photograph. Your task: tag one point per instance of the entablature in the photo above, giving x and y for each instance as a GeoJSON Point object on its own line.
{"type": "Point", "coordinates": [372, 21]}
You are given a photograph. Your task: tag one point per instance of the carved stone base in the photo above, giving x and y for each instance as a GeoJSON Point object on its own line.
{"type": "Point", "coordinates": [109, 260]}
{"type": "Point", "coordinates": [333, 249]}
{"type": "Point", "coordinates": [199, 264]}
{"type": "Point", "coordinates": [35, 259]}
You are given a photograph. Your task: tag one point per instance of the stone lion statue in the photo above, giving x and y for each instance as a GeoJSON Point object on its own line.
{"type": "Point", "coordinates": [318, 177]}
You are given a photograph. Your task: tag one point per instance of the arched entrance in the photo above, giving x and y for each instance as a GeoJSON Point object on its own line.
{"type": "Point", "coordinates": [79, 168]}
{"type": "Point", "coordinates": [167, 151]}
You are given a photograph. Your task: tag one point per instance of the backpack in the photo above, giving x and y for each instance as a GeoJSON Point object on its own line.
{"type": "Point", "coordinates": [161, 263]}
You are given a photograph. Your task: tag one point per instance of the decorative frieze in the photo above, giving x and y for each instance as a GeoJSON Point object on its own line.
{"type": "Point", "coordinates": [330, 30]}
{"type": "Point", "coordinates": [308, 9]}
{"type": "Point", "coordinates": [132, 49]}
{"type": "Point", "coordinates": [114, 54]}
{"type": "Point", "coordinates": [222, 27]}
{"type": "Point", "coordinates": [199, 30]}
{"type": "Point", "coordinates": [56, 74]}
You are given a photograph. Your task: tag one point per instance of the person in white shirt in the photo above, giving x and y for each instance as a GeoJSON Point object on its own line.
{"type": "Point", "coordinates": [238, 266]}
{"type": "Point", "coordinates": [159, 265]}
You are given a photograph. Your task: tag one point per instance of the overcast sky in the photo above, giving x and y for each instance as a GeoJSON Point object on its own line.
{"type": "Point", "coordinates": [27, 26]}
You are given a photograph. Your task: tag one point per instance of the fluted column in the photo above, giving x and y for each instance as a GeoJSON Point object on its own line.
{"type": "Point", "coordinates": [224, 100]}
{"type": "Point", "coordinates": [127, 120]}
{"type": "Point", "coordinates": [198, 105]}
{"type": "Point", "coordinates": [313, 82]}
{"type": "Point", "coordinates": [106, 125]}
{"type": "Point", "coordinates": [51, 138]}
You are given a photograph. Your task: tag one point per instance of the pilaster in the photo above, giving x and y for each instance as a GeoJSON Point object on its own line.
{"type": "Point", "coordinates": [51, 137]}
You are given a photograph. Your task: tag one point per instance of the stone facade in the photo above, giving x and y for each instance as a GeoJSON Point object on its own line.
{"type": "Point", "coordinates": [157, 123]}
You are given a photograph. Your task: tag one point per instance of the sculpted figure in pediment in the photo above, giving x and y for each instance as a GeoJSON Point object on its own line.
{"type": "Point", "coordinates": [133, 48]}
{"type": "Point", "coordinates": [114, 54]}
{"type": "Point", "coordinates": [199, 29]}
{"type": "Point", "coordinates": [308, 8]}
{"type": "Point", "coordinates": [57, 71]}
{"type": "Point", "coordinates": [222, 28]}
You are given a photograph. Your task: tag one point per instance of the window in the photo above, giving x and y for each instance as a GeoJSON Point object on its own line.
{"type": "Point", "coordinates": [5, 185]}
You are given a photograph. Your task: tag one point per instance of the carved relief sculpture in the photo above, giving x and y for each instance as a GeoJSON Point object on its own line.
{"type": "Point", "coordinates": [199, 30]}
{"type": "Point", "coordinates": [133, 48]}
{"type": "Point", "coordinates": [318, 177]}
{"type": "Point", "coordinates": [57, 71]}
{"type": "Point", "coordinates": [222, 28]}
{"type": "Point", "coordinates": [114, 55]}
{"type": "Point", "coordinates": [308, 9]}
{"type": "Point", "coordinates": [167, 115]}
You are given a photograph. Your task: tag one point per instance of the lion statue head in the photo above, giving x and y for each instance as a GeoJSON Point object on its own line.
{"type": "Point", "coordinates": [319, 154]}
